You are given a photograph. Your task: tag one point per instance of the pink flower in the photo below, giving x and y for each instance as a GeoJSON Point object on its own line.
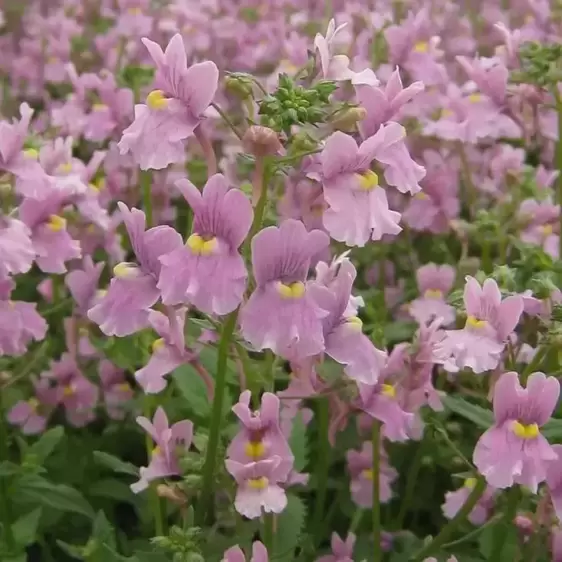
{"type": "Point", "coordinates": [554, 481]}
{"type": "Point", "coordinates": [455, 500]}
{"type": "Point", "coordinates": [169, 442]}
{"type": "Point", "coordinates": [490, 321]}
{"type": "Point", "coordinates": [360, 464]}
{"type": "Point", "coordinates": [513, 450]}
{"type": "Point", "coordinates": [117, 392]}
{"type": "Point", "coordinates": [258, 486]}
{"type": "Point", "coordinates": [172, 111]}
{"type": "Point", "coordinates": [235, 554]}
{"type": "Point", "coordinates": [342, 551]}
{"type": "Point", "coordinates": [32, 414]}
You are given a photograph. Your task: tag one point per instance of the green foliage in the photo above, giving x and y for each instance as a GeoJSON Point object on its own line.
{"type": "Point", "coordinates": [290, 528]}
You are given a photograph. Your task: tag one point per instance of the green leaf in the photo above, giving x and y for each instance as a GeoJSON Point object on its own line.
{"type": "Point", "coordinates": [477, 415]}
{"type": "Point", "coordinates": [58, 496]}
{"type": "Point", "coordinates": [17, 558]}
{"type": "Point", "coordinates": [41, 449]}
{"type": "Point", "coordinates": [510, 548]}
{"type": "Point", "coordinates": [102, 530]}
{"type": "Point", "coordinates": [113, 489]}
{"type": "Point", "coordinates": [72, 550]}
{"type": "Point", "coordinates": [24, 529]}
{"type": "Point", "coordinates": [8, 468]}
{"type": "Point", "coordinates": [194, 391]}
{"type": "Point", "coordinates": [115, 463]}
{"type": "Point", "coordinates": [552, 430]}
{"type": "Point", "coordinates": [299, 443]}
{"type": "Point", "coordinates": [290, 526]}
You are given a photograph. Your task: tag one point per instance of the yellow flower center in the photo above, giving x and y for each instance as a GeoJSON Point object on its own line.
{"type": "Point", "coordinates": [156, 100]}
{"type": "Point", "coordinates": [421, 195]}
{"type": "Point", "coordinates": [470, 483]}
{"type": "Point", "coordinates": [100, 293]}
{"type": "Point", "coordinates": [65, 168]}
{"type": "Point", "coordinates": [293, 291]}
{"type": "Point", "coordinates": [31, 153]}
{"type": "Point", "coordinates": [368, 180]}
{"type": "Point", "coordinates": [388, 390]}
{"type": "Point", "coordinates": [68, 390]}
{"type": "Point", "coordinates": [56, 223]}
{"type": "Point", "coordinates": [201, 247]}
{"type": "Point", "coordinates": [529, 18]}
{"type": "Point", "coordinates": [124, 270]}
{"type": "Point", "coordinates": [547, 229]}
{"type": "Point", "coordinates": [288, 66]}
{"type": "Point", "coordinates": [473, 322]}
{"type": "Point", "coordinates": [156, 451]}
{"type": "Point", "coordinates": [355, 322]}
{"type": "Point", "coordinates": [433, 294]}
{"type": "Point", "coordinates": [446, 112]}
{"type": "Point", "coordinates": [254, 449]}
{"type": "Point", "coordinates": [99, 107]}
{"type": "Point", "coordinates": [158, 344]}
{"type": "Point", "coordinates": [421, 47]}
{"type": "Point", "coordinates": [258, 483]}
{"type": "Point", "coordinates": [52, 59]}
{"type": "Point", "coordinates": [475, 98]}
{"type": "Point", "coordinates": [134, 11]}
{"type": "Point", "coordinates": [33, 404]}
{"type": "Point", "coordinates": [368, 474]}
{"type": "Point", "coordinates": [525, 431]}
{"type": "Point", "coordinates": [124, 387]}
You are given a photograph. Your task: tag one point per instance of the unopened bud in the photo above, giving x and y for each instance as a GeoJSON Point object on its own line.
{"type": "Point", "coordinates": [174, 494]}
{"type": "Point", "coordinates": [261, 141]}
{"type": "Point", "coordinates": [347, 119]}
{"type": "Point", "coordinates": [238, 85]}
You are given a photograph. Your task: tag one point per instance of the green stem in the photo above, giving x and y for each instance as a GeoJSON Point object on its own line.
{"type": "Point", "coordinates": [558, 154]}
{"type": "Point", "coordinates": [262, 201]}
{"type": "Point", "coordinates": [227, 120]}
{"type": "Point", "coordinates": [6, 511]}
{"type": "Point", "coordinates": [154, 499]}
{"type": "Point", "coordinates": [146, 192]}
{"type": "Point", "coordinates": [205, 502]}
{"type": "Point", "coordinates": [455, 522]}
{"type": "Point", "coordinates": [534, 363]}
{"type": "Point", "coordinates": [509, 515]}
{"type": "Point", "coordinates": [356, 521]}
{"type": "Point", "coordinates": [473, 534]}
{"type": "Point", "coordinates": [322, 465]}
{"type": "Point", "coordinates": [376, 507]}
{"type": "Point", "coordinates": [269, 533]}
{"type": "Point", "coordinates": [411, 482]}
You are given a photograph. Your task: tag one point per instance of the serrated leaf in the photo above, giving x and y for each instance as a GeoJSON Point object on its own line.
{"type": "Point", "coordinates": [479, 416]}
{"type": "Point", "coordinates": [103, 531]}
{"type": "Point", "coordinates": [299, 443]}
{"type": "Point", "coordinates": [37, 490]}
{"type": "Point", "coordinates": [290, 525]}
{"type": "Point", "coordinates": [41, 449]}
{"type": "Point", "coordinates": [115, 463]}
{"type": "Point", "coordinates": [24, 530]}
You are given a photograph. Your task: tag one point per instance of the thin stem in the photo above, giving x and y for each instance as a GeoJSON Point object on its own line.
{"type": "Point", "coordinates": [376, 507]}
{"type": "Point", "coordinates": [205, 502]}
{"type": "Point", "coordinates": [558, 155]}
{"type": "Point", "coordinates": [356, 521]}
{"type": "Point", "coordinates": [227, 120]}
{"type": "Point", "coordinates": [269, 533]}
{"type": "Point", "coordinates": [6, 511]}
{"type": "Point", "coordinates": [322, 465]}
{"type": "Point", "coordinates": [411, 482]}
{"type": "Point", "coordinates": [146, 192]}
{"type": "Point", "coordinates": [509, 515]}
{"type": "Point", "coordinates": [28, 366]}
{"type": "Point", "coordinates": [454, 523]}
{"type": "Point", "coordinates": [154, 499]}
{"type": "Point", "coordinates": [473, 534]}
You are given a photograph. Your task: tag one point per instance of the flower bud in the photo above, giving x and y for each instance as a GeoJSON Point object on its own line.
{"type": "Point", "coordinates": [172, 493]}
{"type": "Point", "coordinates": [347, 119]}
{"type": "Point", "coordinates": [261, 141]}
{"type": "Point", "coordinates": [238, 85]}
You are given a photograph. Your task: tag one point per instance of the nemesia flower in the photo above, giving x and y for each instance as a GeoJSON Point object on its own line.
{"type": "Point", "coordinates": [168, 352]}
{"type": "Point", "coordinates": [513, 450]}
{"type": "Point", "coordinates": [490, 76]}
{"type": "Point", "coordinates": [235, 554]}
{"type": "Point", "coordinates": [358, 209]}
{"type": "Point", "coordinates": [74, 391]}
{"type": "Point", "coordinates": [258, 486]}
{"type": "Point", "coordinates": [343, 336]}
{"type": "Point", "coordinates": [32, 414]}
{"type": "Point", "coordinates": [283, 313]}
{"type": "Point", "coordinates": [16, 249]}
{"type": "Point", "coordinates": [434, 283]}
{"type": "Point", "coordinates": [336, 67]}
{"type": "Point", "coordinates": [20, 323]}
{"type": "Point", "coordinates": [490, 321]}
{"type": "Point", "coordinates": [554, 481]}
{"type": "Point", "coordinates": [260, 436]}
{"type": "Point", "coordinates": [360, 464]}
{"type": "Point", "coordinates": [542, 225]}
{"type": "Point", "coordinates": [208, 272]}
{"type": "Point", "coordinates": [172, 111]}
{"type": "Point", "coordinates": [124, 309]}
{"type": "Point", "coordinates": [382, 105]}
{"type": "Point", "coordinates": [455, 500]}
{"type": "Point", "coordinates": [342, 551]}
{"type": "Point", "coordinates": [169, 442]}
{"type": "Point", "coordinates": [117, 392]}
{"type": "Point", "coordinates": [83, 283]}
